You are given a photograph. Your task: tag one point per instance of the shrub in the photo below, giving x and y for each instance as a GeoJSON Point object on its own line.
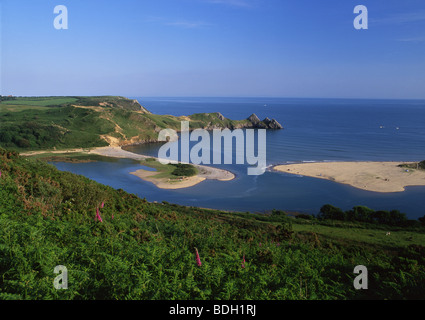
{"type": "Point", "coordinates": [360, 213]}
{"type": "Point", "coordinates": [278, 212]}
{"type": "Point", "coordinates": [305, 216]}
{"type": "Point", "coordinates": [184, 170]}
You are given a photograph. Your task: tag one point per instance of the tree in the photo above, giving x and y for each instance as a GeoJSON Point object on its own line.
{"type": "Point", "coordinates": [23, 143]}
{"type": "Point", "coordinates": [397, 218]}
{"type": "Point", "coordinates": [360, 213]}
{"type": "Point", "coordinates": [330, 212]}
{"type": "Point", "coordinates": [5, 136]}
{"type": "Point", "coordinates": [422, 220]}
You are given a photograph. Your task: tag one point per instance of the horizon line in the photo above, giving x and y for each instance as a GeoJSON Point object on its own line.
{"type": "Point", "coordinates": [208, 96]}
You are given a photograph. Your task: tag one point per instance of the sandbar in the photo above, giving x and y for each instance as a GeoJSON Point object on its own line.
{"type": "Point", "coordinates": [371, 176]}
{"type": "Point", "coordinates": [165, 183]}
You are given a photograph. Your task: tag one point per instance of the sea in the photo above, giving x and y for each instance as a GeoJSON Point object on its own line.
{"type": "Point", "coordinates": [315, 130]}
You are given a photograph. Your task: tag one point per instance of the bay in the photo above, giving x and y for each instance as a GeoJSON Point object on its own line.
{"type": "Point", "coordinates": [314, 130]}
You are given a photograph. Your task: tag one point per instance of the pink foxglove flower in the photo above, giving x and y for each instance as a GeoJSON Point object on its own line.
{"type": "Point", "coordinates": [198, 259]}
{"type": "Point", "coordinates": [102, 205]}
{"type": "Point", "coordinates": [243, 262]}
{"type": "Point", "coordinates": [98, 217]}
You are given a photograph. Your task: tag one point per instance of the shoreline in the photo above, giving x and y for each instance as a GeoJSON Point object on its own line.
{"type": "Point", "coordinates": [204, 172]}
{"type": "Point", "coordinates": [374, 176]}
{"type": "Point", "coordinates": [382, 177]}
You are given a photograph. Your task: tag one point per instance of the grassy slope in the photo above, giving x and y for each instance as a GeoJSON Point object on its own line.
{"type": "Point", "coordinates": [83, 122]}
{"type": "Point", "coordinates": [147, 250]}
{"type": "Point", "coordinates": [29, 102]}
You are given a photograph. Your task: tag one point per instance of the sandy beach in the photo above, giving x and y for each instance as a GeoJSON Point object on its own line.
{"type": "Point", "coordinates": [167, 183]}
{"type": "Point", "coordinates": [33, 153]}
{"type": "Point", "coordinates": [117, 152]}
{"type": "Point", "coordinates": [370, 176]}
{"type": "Point", "coordinates": [204, 172]}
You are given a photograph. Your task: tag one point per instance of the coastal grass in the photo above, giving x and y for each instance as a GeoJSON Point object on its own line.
{"type": "Point", "coordinates": [370, 236]}
{"type": "Point", "coordinates": [414, 166]}
{"type": "Point", "coordinates": [170, 171]}
{"type": "Point", "coordinates": [73, 157]}
{"type": "Point", "coordinates": [43, 123]}
{"type": "Point", "coordinates": [39, 101]}
{"type": "Point", "coordinates": [146, 250]}
{"type": "Point", "coordinates": [7, 108]}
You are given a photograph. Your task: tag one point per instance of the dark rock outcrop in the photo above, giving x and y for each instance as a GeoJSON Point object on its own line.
{"type": "Point", "coordinates": [254, 119]}
{"type": "Point", "coordinates": [220, 116]}
{"type": "Point", "coordinates": [265, 124]}
{"type": "Point", "coordinates": [272, 124]}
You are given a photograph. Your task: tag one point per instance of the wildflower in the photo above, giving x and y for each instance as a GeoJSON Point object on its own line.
{"type": "Point", "coordinates": [98, 217]}
{"type": "Point", "coordinates": [102, 205]}
{"type": "Point", "coordinates": [198, 259]}
{"type": "Point", "coordinates": [243, 262]}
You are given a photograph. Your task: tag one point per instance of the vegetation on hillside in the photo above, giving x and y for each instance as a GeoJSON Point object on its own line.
{"type": "Point", "coordinates": [420, 165]}
{"type": "Point", "coordinates": [142, 250]}
{"type": "Point", "coordinates": [365, 214]}
{"type": "Point", "coordinates": [40, 123]}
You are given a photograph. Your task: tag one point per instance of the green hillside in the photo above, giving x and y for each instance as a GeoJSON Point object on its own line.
{"type": "Point", "coordinates": [40, 123]}
{"type": "Point", "coordinates": [145, 250]}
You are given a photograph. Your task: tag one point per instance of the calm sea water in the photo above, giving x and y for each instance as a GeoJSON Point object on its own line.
{"type": "Point", "coordinates": [315, 130]}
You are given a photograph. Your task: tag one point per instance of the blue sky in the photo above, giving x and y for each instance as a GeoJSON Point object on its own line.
{"type": "Point", "coordinates": [242, 48]}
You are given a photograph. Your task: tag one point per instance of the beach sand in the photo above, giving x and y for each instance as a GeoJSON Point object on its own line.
{"type": "Point", "coordinates": [33, 153]}
{"type": "Point", "coordinates": [117, 152]}
{"type": "Point", "coordinates": [370, 176]}
{"type": "Point", "coordinates": [164, 183]}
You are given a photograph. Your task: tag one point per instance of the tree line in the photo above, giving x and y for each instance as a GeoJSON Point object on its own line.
{"type": "Point", "coordinates": [365, 214]}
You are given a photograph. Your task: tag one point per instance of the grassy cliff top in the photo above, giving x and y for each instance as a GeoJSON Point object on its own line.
{"type": "Point", "coordinates": [39, 123]}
